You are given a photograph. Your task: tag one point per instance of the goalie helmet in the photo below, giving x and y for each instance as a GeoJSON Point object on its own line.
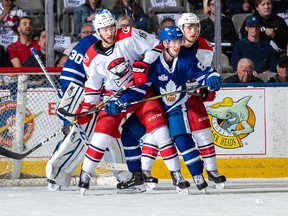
{"type": "Point", "coordinates": [103, 18]}
{"type": "Point", "coordinates": [188, 18]}
{"type": "Point", "coordinates": [170, 33]}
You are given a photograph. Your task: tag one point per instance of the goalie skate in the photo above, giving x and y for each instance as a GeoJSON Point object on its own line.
{"type": "Point", "coordinates": [84, 182]}
{"type": "Point", "coordinates": [52, 186]}
{"type": "Point", "coordinates": [218, 179]}
{"type": "Point", "coordinates": [149, 180]}
{"type": "Point", "coordinates": [200, 182]}
{"type": "Point", "coordinates": [135, 184]}
{"type": "Point", "coordinates": [182, 186]}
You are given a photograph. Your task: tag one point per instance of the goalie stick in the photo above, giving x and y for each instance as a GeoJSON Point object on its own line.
{"type": "Point", "coordinates": [19, 156]}
{"type": "Point", "coordinates": [34, 52]}
{"type": "Point", "coordinates": [97, 107]}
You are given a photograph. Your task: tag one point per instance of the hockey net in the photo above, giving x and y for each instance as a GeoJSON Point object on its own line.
{"type": "Point", "coordinates": [28, 116]}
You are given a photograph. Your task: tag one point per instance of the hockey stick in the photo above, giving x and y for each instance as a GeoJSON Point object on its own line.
{"type": "Point", "coordinates": [19, 156]}
{"type": "Point", "coordinates": [97, 107]}
{"type": "Point", "coordinates": [34, 52]}
{"type": "Point", "coordinates": [166, 94]}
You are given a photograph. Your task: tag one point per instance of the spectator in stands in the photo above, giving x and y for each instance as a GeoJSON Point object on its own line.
{"type": "Point", "coordinates": [168, 21]}
{"type": "Point", "coordinates": [31, 60]}
{"type": "Point", "coordinates": [86, 29]}
{"type": "Point", "coordinates": [282, 70]}
{"type": "Point", "coordinates": [273, 28]}
{"type": "Point", "coordinates": [252, 47]}
{"type": "Point", "coordinates": [20, 50]}
{"type": "Point", "coordinates": [132, 9]}
{"type": "Point", "coordinates": [9, 16]}
{"type": "Point", "coordinates": [4, 62]}
{"type": "Point", "coordinates": [228, 33]}
{"type": "Point", "coordinates": [197, 4]}
{"type": "Point", "coordinates": [124, 20]}
{"type": "Point", "coordinates": [237, 7]}
{"type": "Point", "coordinates": [62, 61]}
{"type": "Point", "coordinates": [85, 13]}
{"type": "Point", "coordinates": [245, 73]}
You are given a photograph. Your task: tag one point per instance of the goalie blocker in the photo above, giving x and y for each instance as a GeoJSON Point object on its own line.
{"type": "Point", "coordinates": [69, 154]}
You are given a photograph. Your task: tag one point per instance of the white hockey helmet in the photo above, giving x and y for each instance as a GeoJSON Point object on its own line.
{"type": "Point", "coordinates": [188, 18]}
{"type": "Point", "coordinates": [103, 18]}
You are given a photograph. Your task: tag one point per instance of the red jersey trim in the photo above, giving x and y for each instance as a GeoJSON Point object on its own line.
{"type": "Point", "coordinates": [203, 44]}
{"type": "Point", "coordinates": [123, 33]}
{"type": "Point", "coordinates": [90, 55]}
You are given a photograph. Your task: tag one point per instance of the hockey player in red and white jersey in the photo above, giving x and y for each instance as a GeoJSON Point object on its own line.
{"type": "Point", "coordinates": [108, 64]}
{"type": "Point", "coordinates": [189, 23]}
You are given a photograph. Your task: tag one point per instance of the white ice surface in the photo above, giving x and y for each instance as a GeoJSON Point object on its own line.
{"type": "Point", "coordinates": [240, 197]}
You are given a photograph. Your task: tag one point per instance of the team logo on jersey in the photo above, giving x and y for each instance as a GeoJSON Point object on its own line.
{"type": "Point", "coordinates": [231, 121]}
{"type": "Point", "coordinates": [8, 120]}
{"type": "Point", "coordinates": [86, 58]}
{"type": "Point", "coordinates": [170, 87]}
{"type": "Point", "coordinates": [120, 68]}
{"type": "Point", "coordinates": [126, 29]}
{"type": "Point", "coordinates": [163, 77]}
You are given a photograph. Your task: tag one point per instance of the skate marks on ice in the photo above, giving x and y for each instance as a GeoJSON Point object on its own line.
{"type": "Point", "coordinates": [104, 191]}
{"type": "Point", "coordinates": [166, 187]}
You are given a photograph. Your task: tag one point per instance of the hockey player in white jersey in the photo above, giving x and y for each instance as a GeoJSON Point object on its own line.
{"type": "Point", "coordinates": [169, 73]}
{"type": "Point", "coordinates": [108, 63]}
{"type": "Point", "coordinates": [71, 150]}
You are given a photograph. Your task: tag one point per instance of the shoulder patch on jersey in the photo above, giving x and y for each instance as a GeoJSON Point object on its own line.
{"type": "Point", "coordinates": [123, 33]}
{"type": "Point", "coordinates": [90, 54]}
{"type": "Point", "coordinates": [204, 44]}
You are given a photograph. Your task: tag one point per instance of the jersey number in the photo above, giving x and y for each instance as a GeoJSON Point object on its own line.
{"type": "Point", "coordinates": [76, 57]}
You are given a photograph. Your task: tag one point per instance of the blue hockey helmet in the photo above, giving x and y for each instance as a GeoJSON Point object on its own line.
{"type": "Point", "coordinates": [170, 33]}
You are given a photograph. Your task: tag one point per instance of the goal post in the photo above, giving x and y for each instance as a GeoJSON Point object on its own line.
{"type": "Point", "coordinates": [28, 115]}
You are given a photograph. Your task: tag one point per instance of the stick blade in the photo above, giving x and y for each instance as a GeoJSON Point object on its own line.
{"type": "Point", "coordinates": [65, 113]}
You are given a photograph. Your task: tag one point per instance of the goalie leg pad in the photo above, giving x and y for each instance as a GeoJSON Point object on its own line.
{"type": "Point", "coordinates": [67, 157]}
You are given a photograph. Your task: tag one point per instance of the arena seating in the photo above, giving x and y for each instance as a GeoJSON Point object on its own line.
{"type": "Point", "coordinates": [64, 16]}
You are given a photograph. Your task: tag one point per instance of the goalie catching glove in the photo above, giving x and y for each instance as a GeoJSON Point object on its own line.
{"type": "Point", "coordinates": [83, 119]}
{"type": "Point", "coordinates": [140, 70]}
{"type": "Point", "coordinates": [213, 81]}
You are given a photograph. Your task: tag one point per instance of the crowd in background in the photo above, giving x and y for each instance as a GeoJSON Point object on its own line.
{"type": "Point", "coordinates": [262, 41]}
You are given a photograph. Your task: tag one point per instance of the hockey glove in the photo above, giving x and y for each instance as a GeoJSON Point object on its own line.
{"type": "Point", "coordinates": [140, 70]}
{"type": "Point", "coordinates": [83, 119]}
{"type": "Point", "coordinates": [114, 107]}
{"type": "Point", "coordinates": [213, 81]}
{"type": "Point", "coordinates": [207, 95]}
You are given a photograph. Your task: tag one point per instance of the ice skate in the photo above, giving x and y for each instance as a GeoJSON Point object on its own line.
{"type": "Point", "coordinates": [52, 186]}
{"type": "Point", "coordinates": [181, 184]}
{"type": "Point", "coordinates": [135, 184]}
{"type": "Point", "coordinates": [200, 182]}
{"type": "Point", "coordinates": [218, 179]}
{"type": "Point", "coordinates": [149, 180]}
{"type": "Point", "coordinates": [84, 182]}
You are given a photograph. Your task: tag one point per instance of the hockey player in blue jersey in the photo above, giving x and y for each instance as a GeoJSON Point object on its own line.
{"type": "Point", "coordinates": [170, 72]}
{"type": "Point", "coordinates": [73, 70]}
